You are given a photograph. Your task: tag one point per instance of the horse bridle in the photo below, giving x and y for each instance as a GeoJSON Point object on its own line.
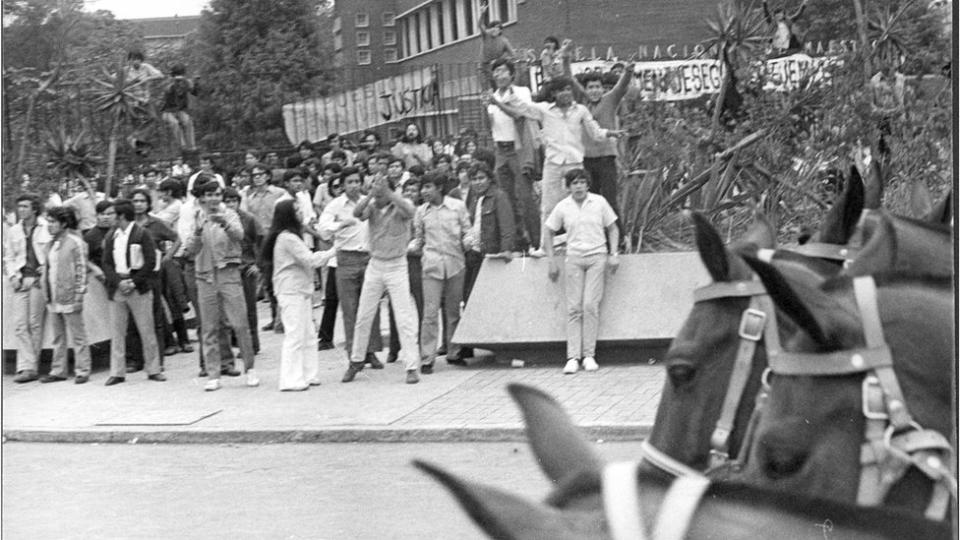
{"type": "Point", "coordinates": [894, 441]}
{"type": "Point", "coordinates": [621, 503]}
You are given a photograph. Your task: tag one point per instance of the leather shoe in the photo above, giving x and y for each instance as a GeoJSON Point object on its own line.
{"type": "Point", "coordinates": [412, 377]}
{"type": "Point", "coordinates": [80, 379]}
{"type": "Point", "coordinates": [157, 377]}
{"type": "Point", "coordinates": [203, 373]}
{"type": "Point", "coordinates": [171, 350]}
{"type": "Point", "coordinates": [186, 347]}
{"type": "Point", "coordinates": [230, 372]}
{"type": "Point", "coordinates": [267, 327]}
{"type": "Point", "coordinates": [426, 369]}
{"type": "Point", "coordinates": [352, 370]}
{"type": "Point", "coordinates": [456, 361]}
{"type": "Point", "coordinates": [374, 362]}
{"type": "Point", "coordinates": [52, 378]}
{"type": "Point", "coordinates": [324, 345]}
{"type": "Point", "coordinates": [26, 375]}
{"type": "Point", "coordinates": [114, 380]}
{"type": "Point", "coordinates": [392, 357]}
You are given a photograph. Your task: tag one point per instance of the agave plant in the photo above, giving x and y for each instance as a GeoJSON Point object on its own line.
{"type": "Point", "coordinates": [71, 155]}
{"type": "Point", "coordinates": [885, 32]}
{"type": "Point", "coordinates": [118, 99]}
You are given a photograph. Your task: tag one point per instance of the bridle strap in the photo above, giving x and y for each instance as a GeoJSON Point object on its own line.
{"type": "Point", "coordinates": [728, 289]}
{"type": "Point", "coordinates": [621, 501]}
{"type": "Point", "coordinates": [662, 461]}
{"type": "Point", "coordinates": [821, 250]}
{"type": "Point", "coordinates": [827, 364]}
{"type": "Point", "coordinates": [678, 506]}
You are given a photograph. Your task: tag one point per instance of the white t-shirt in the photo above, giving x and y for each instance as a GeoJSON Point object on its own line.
{"type": "Point", "coordinates": [502, 126]}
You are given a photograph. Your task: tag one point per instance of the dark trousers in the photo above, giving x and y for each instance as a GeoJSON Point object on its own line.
{"type": "Point", "coordinates": [602, 172]}
{"type": "Point", "coordinates": [351, 267]}
{"type": "Point", "coordinates": [176, 297]}
{"type": "Point", "coordinates": [250, 277]}
{"type": "Point", "coordinates": [330, 303]}
{"type": "Point", "coordinates": [519, 189]}
{"type": "Point", "coordinates": [474, 261]}
{"type": "Point", "coordinates": [415, 273]}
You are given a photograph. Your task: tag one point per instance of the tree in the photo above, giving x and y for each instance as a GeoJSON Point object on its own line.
{"type": "Point", "coordinates": [117, 99]}
{"type": "Point", "coordinates": [254, 56]}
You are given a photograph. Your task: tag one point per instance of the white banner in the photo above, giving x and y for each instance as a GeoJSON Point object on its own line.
{"type": "Point", "coordinates": [676, 80]}
{"type": "Point", "coordinates": [414, 94]}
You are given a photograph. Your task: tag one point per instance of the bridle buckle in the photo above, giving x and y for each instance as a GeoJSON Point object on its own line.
{"type": "Point", "coordinates": [751, 324]}
{"type": "Point", "coordinates": [873, 392]}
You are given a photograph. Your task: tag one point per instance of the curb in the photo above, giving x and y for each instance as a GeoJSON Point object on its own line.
{"type": "Point", "coordinates": [598, 433]}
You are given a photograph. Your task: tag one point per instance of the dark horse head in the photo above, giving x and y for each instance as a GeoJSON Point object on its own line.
{"type": "Point", "coordinates": [583, 506]}
{"type": "Point", "coordinates": [703, 355]}
{"type": "Point", "coordinates": [808, 439]}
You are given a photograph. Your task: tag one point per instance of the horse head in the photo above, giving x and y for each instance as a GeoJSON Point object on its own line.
{"type": "Point", "coordinates": [813, 424]}
{"type": "Point", "coordinates": [584, 506]}
{"type": "Point", "coordinates": [899, 244]}
{"type": "Point", "coordinates": [713, 370]}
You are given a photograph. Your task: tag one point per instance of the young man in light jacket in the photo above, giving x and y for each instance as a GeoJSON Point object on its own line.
{"type": "Point", "coordinates": [24, 254]}
{"type": "Point", "coordinates": [64, 282]}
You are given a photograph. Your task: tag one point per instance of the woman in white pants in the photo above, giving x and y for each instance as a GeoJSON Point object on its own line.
{"type": "Point", "coordinates": [293, 270]}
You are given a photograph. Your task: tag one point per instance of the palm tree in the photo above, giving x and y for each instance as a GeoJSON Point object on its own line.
{"type": "Point", "coordinates": [886, 34]}
{"type": "Point", "coordinates": [118, 100]}
{"type": "Point", "coordinates": [738, 34]}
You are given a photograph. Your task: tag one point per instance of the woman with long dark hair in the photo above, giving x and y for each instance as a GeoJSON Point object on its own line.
{"type": "Point", "coordinates": [411, 148]}
{"type": "Point", "coordinates": [293, 267]}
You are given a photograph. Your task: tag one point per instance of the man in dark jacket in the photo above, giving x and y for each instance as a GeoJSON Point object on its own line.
{"type": "Point", "coordinates": [491, 218]}
{"type": "Point", "coordinates": [130, 269]}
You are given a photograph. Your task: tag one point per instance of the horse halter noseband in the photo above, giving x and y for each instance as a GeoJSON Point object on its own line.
{"type": "Point", "coordinates": [893, 440]}
{"type": "Point", "coordinates": [621, 504]}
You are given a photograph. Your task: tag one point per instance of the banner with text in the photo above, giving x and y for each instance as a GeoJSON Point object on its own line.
{"type": "Point", "coordinates": [676, 80]}
{"type": "Point", "coordinates": [410, 95]}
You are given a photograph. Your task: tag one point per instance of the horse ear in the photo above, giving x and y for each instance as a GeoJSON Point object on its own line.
{"type": "Point", "coordinates": [761, 232]}
{"type": "Point", "coordinates": [842, 217]}
{"type": "Point", "coordinates": [712, 252]}
{"type": "Point", "coordinates": [879, 252]}
{"type": "Point", "coordinates": [921, 202]}
{"type": "Point", "coordinates": [505, 516]}
{"type": "Point", "coordinates": [873, 186]}
{"type": "Point", "coordinates": [560, 447]}
{"type": "Point", "coordinates": [787, 299]}
{"type": "Point", "coordinates": [943, 211]}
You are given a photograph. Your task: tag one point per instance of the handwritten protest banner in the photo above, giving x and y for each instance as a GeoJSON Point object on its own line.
{"type": "Point", "coordinates": [414, 94]}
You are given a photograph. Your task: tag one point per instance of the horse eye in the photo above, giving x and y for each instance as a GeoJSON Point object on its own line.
{"type": "Point", "coordinates": [681, 374]}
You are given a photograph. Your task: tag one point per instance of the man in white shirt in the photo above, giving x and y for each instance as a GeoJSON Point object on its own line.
{"type": "Point", "coordinates": [590, 224]}
{"type": "Point", "coordinates": [350, 240]}
{"type": "Point", "coordinates": [507, 130]}
{"type": "Point", "coordinates": [565, 123]}
{"type": "Point", "coordinates": [206, 167]}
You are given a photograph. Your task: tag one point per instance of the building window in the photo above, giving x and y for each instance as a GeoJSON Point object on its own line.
{"type": "Point", "coordinates": [337, 42]}
{"type": "Point", "coordinates": [363, 39]}
{"type": "Point", "coordinates": [389, 37]}
{"type": "Point", "coordinates": [387, 18]}
{"type": "Point", "coordinates": [363, 58]}
{"type": "Point", "coordinates": [361, 20]}
{"type": "Point", "coordinates": [337, 24]}
{"type": "Point", "coordinates": [389, 55]}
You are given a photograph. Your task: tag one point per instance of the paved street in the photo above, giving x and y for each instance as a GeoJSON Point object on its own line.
{"type": "Point", "coordinates": [454, 403]}
{"type": "Point", "coordinates": [287, 491]}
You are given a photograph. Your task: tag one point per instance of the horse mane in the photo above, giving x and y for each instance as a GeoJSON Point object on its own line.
{"type": "Point", "coordinates": [868, 519]}
{"type": "Point", "coordinates": [893, 279]}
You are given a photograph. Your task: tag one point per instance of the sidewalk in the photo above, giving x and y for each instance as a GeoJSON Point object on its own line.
{"type": "Point", "coordinates": [618, 402]}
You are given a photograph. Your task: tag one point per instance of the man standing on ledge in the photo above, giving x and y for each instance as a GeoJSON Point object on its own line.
{"type": "Point", "coordinates": [390, 217]}
{"type": "Point", "coordinates": [585, 216]}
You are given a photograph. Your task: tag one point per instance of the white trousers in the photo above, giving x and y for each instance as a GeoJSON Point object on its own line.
{"type": "Point", "coordinates": [298, 355]}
